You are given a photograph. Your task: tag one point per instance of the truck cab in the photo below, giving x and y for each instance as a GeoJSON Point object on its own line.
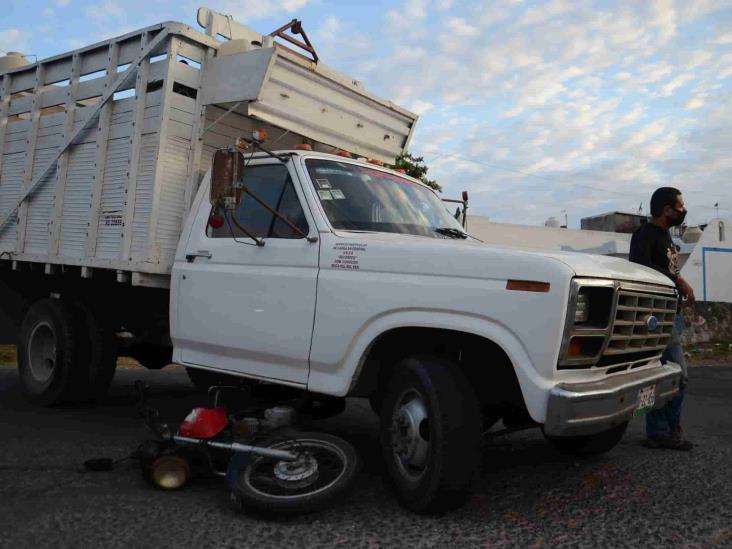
{"type": "Point", "coordinates": [366, 285]}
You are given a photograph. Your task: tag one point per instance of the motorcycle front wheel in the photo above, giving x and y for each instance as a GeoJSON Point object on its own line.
{"type": "Point", "coordinates": [324, 471]}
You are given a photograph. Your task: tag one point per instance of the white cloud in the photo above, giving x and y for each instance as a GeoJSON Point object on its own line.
{"type": "Point", "coordinates": [247, 10]}
{"type": "Point", "coordinates": [695, 103]}
{"type": "Point", "coordinates": [459, 26]}
{"type": "Point", "coordinates": [62, 3]}
{"type": "Point", "coordinates": [415, 8]}
{"type": "Point", "coordinates": [105, 10]}
{"type": "Point", "coordinates": [330, 28]}
{"type": "Point", "coordinates": [13, 40]}
{"type": "Point", "coordinates": [420, 107]}
{"type": "Point", "coordinates": [675, 83]}
{"type": "Point", "coordinates": [724, 39]}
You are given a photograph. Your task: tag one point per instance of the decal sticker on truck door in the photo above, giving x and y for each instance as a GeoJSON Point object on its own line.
{"type": "Point", "coordinates": [348, 255]}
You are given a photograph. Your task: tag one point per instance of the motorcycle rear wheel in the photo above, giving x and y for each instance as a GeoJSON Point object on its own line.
{"type": "Point", "coordinates": [325, 471]}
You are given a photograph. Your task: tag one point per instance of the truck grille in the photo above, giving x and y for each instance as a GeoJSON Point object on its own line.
{"type": "Point", "coordinates": [630, 332]}
{"type": "Point", "coordinates": [625, 342]}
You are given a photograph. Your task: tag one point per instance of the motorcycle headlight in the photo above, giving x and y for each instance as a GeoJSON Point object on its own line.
{"type": "Point", "coordinates": [582, 308]}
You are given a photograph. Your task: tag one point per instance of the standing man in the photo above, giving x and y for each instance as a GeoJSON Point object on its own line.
{"type": "Point", "coordinates": [652, 246]}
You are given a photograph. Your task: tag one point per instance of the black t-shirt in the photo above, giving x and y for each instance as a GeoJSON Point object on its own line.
{"type": "Point", "coordinates": [652, 246]}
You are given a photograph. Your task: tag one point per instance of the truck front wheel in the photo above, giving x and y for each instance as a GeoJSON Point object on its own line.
{"type": "Point", "coordinates": [47, 354]}
{"type": "Point", "coordinates": [430, 433]}
{"type": "Point", "coordinates": [588, 445]}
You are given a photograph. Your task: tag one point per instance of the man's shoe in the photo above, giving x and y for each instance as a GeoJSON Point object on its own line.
{"type": "Point", "coordinates": [668, 443]}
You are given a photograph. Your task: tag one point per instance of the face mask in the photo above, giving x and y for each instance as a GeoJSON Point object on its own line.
{"type": "Point", "coordinates": [678, 220]}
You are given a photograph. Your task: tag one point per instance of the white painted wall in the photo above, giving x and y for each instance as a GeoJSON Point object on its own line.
{"type": "Point", "coordinates": [709, 268]}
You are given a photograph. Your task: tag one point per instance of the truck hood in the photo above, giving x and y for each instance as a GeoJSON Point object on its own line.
{"type": "Point", "coordinates": [473, 258]}
{"type": "Point", "coordinates": [603, 266]}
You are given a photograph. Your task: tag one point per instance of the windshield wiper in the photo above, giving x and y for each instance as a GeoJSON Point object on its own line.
{"type": "Point", "coordinates": [451, 232]}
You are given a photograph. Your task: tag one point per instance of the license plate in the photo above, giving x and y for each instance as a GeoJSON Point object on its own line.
{"type": "Point", "coordinates": [646, 399]}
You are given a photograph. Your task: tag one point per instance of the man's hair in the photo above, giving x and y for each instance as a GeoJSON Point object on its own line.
{"type": "Point", "coordinates": [662, 197]}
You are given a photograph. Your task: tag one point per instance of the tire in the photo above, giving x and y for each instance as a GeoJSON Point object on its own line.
{"type": "Point", "coordinates": [47, 354]}
{"type": "Point", "coordinates": [205, 379]}
{"type": "Point", "coordinates": [96, 353]}
{"type": "Point", "coordinates": [430, 434]}
{"type": "Point", "coordinates": [257, 485]}
{"type": "Point", "coordinates": [589, 445]}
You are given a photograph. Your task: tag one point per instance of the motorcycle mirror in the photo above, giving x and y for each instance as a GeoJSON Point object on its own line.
{"type": "Point", "coordinates": [227, 169]}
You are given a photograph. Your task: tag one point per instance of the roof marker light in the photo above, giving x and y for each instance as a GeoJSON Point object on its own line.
{"type": "Point", "coordinates": [259, 135]}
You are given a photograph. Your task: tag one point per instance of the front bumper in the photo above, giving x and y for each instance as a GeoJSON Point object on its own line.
{"type": "Point", "coordinates": [591, 407]}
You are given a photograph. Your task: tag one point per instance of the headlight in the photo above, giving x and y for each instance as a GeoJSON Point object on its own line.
{"type": "Point", "coordinates": [582, 308]}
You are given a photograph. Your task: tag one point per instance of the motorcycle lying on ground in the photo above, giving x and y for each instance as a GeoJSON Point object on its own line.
{"type": "Point", "coordinates": [269, 466]}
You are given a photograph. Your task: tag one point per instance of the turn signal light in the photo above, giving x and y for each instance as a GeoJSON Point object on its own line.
{"type": "Point", "coordinates": [304, 147]}
{"type": "Point", "coordinates": [575, 347]}
{"type": "Point", "coordinates": [375, 161]}
{"type": "Point", "coordinates": [344, 154]}
{"type": "Point", "coordinates": [527, 286]}
{"type": "Point", "coordinates": [400, 170]}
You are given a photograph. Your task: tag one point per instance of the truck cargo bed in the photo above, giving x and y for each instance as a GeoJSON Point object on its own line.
{"type": "Point", "coordinates": [102, 149]}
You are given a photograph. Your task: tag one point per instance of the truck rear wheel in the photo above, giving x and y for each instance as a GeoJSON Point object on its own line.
{"type": "Point", "coordinates": [430, 434]}
{"type": "Point", "coordinates": [588, 445]}
{"type": "Point", "coordinates": [47, 354]}
{"type": "Point", "coordinates": [96, 354]}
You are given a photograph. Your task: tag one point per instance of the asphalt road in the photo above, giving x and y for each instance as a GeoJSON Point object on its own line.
{"type": "Point", "coordinates": [527, 495]}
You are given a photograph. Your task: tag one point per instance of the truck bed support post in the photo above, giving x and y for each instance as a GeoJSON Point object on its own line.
{"type": "Point", "coordinates": [194, 162]}
{"type": "Point", "coordinates": [63, 160]}
{"type": "Point", "coordinates": [105, 122]}
{"type": "Point", "coordinates": [135, 138]}
{"type": "Point", "coordinates": [30, 154]}
{"type": "Point", "coordinates": [4, 106]}
{"type": "Point", "coordinates": [152, 253]}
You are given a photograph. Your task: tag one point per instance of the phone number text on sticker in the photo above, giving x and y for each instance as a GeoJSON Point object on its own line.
{"type": "Point", "coordinates": [347, 256]}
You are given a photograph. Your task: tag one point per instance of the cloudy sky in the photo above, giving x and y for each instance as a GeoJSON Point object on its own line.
{"type": "Point", "coordinates": [535, 108]}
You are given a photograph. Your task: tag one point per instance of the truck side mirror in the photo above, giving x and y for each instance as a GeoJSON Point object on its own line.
{"type": "Point", "coordinates": [227, 169]}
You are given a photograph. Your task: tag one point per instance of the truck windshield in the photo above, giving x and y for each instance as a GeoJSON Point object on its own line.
{"type": "Point", "coordinates": [364, 199]}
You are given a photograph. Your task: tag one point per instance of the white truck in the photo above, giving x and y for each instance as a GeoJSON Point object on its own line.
{"type": "Point", "coordinates": [306, 268]}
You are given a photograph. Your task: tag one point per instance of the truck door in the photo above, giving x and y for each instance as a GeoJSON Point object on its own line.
{"type": "Point", "coordinates": [245, 308]}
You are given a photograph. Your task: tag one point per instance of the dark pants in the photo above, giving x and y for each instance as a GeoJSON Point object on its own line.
{"type": "Point", "coordinates": [667, 420]}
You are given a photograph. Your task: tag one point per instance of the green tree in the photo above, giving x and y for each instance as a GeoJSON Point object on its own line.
{"type": "Point", "coordinates": [415, 167]}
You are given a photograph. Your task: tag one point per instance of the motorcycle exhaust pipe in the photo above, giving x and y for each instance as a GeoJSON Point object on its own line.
{"type": "Point", "coordinates": [239, 448]}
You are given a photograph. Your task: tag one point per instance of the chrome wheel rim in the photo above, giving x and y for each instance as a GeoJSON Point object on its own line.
{"type": "Point", "coordinates": [42, 352]}
{"type": "Point", "coordinates": [319, 467]}
{"type": "Point", "coordinates": [410, 434]}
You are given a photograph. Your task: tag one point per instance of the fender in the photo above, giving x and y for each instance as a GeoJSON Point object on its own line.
{"type": "Point", "coordinates": [336, 379]}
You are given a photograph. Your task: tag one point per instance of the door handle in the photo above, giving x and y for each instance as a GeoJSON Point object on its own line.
{"type": "Point", "coordinates": [200, 253]}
